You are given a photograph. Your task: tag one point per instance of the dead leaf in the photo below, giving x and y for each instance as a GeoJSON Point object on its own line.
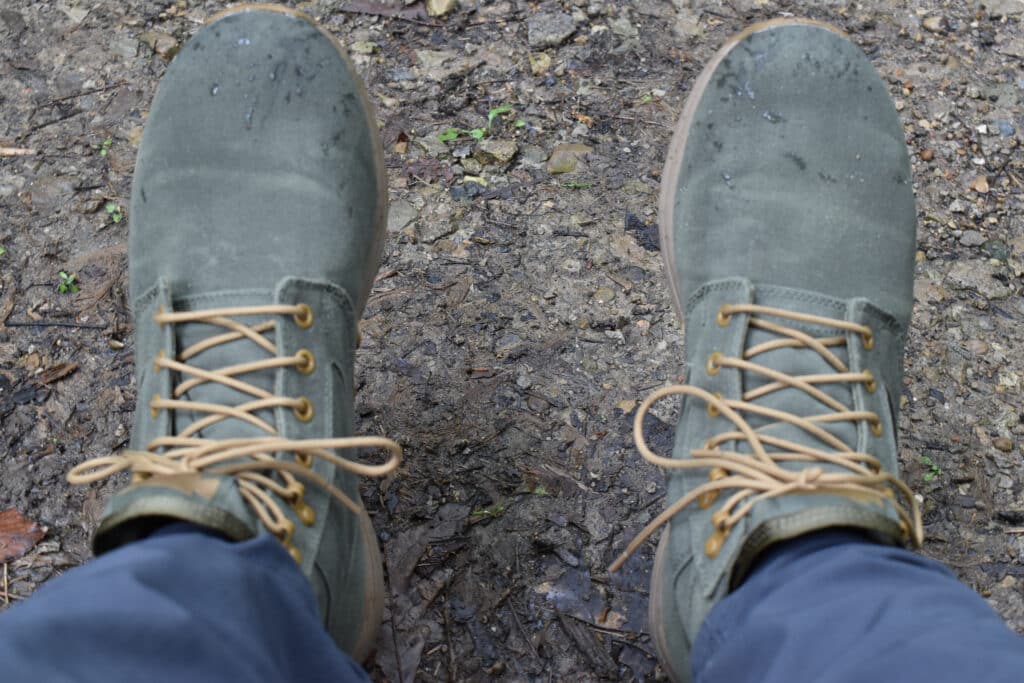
{"type": "Point", "coordinates": [59, 371]}
{"type": "Point", "coordinates": [980, 185]}
{"type": "Point", "coordinates": [17, 535]}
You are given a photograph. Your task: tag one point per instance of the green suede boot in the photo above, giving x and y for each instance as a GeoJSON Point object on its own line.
{"type": "Point", "coordinates": [257, 222]}
{"type": "Point", "coordinates": [788, 231]}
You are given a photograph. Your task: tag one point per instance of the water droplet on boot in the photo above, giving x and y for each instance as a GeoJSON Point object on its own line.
{"type": "Point", "coordinates": [244, 41]}
{"type": "Point", "coordinates": [214, 89]}
{"type": "Point", "coordinates": [728, 179]}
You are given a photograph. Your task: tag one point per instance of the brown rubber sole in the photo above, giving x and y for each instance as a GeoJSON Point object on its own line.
{"type": "Point", "coordinates": [666, 223]}
{"type": "Point", "coordinates": [373, 569]}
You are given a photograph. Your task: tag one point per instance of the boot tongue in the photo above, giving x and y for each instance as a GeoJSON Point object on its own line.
{"type": "Point", "coordinates": [222, 356]}
{"type": "Point", "coordinates": [798, 361]}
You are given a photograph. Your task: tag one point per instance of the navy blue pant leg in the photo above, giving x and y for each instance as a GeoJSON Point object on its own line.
{"type": "Point", "coordinates": [181, 605]}
{"type": "Point", "coordinates": [832, 607]}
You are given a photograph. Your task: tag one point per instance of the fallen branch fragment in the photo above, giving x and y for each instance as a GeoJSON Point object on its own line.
{"type": "Point", "coordinates": [17, 152]}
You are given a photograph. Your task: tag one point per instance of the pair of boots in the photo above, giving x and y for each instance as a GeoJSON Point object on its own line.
{"type": "Point", "coordinates": [258, 216]}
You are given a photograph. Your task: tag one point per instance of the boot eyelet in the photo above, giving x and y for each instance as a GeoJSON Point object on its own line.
{"type": "Point", "coordinates": [304, 459]}
{"type": "Point", "coordinates": [868, 339]}
{"type": "Point", "coordinates": [723, 316]}
{"type": "Point", "coordinates": [156, 364]}
{"type": "Point", "coordinates": [156, 316]}
{"type": "Point", "coordinates": [711, 366]}
{"type": "Point", "coordinates": [870, 385]}
{"type": "Point", "coordinates": [154, 412]}
{"type": "Point", "coordinates": [714, 544]}
{"type": "Point", "coordinates": [304, 317]}
{"type": "Point", "coordinates": [294, 552]}
{"type": "Point", "coordinates": [308, 361]}
{"type": "Point", "coordinates": [303, 411]}
{"type": "Point", "coordinates": [305, 513]}
{"type": "Point", "coordinates": [712, 409]}
{"type": "Point", "coordinates": [876, 427]}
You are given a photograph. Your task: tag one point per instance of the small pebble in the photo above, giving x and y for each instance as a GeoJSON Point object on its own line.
{"type": "Point", "coordinates": [1003, 444]}
{"type": "Point", "coordinates": [927, 155]}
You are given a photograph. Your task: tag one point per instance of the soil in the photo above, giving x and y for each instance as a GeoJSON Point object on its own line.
{"type": "Point", "coordinates": [520, 314]}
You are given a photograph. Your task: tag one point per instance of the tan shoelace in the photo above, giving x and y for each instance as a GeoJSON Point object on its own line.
{"type": "Point", "coordinates": [757, 475]}
{"type": "Point", "coordinates": [259, 474]}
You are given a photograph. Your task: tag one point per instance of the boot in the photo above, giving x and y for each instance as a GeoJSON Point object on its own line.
{"type": "Point", "coordinates": [788, 232]}
{"type": "Point", "coordinates": [257, 220]}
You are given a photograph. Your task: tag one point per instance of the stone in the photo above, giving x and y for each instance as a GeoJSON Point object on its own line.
{"type": "Point", "coordinates": [564, 158]}
{"type": "Point", "coordinates": [623, 27]}
{"type": "Point", "coordinates": [979, 277]}
{"type": "Point", "coordinates": [540, 63]}
{"type": "Point", "coordinates": [400, 214]}
{"type": "Point", "coordinates": [1003, 444]}
{"type": "Point", "coordinates": [162, 44]}
{"type": "Point", "coordinates": [687, 24]}
{"type": "Point", "coordinates": [492, 151]}
{"type": "Point", "coordinates": [935, 24]}
{"type": "Point", "coordinates": [972, 238]}
{"type": "Point", "coordinates": [439, 8]}
{"type": "Point", "coordinates": [1004, 8]}
{"type": "Point", "coordinates": [124, 46]}
{"type": "Point", "coordinates": [549, 29]}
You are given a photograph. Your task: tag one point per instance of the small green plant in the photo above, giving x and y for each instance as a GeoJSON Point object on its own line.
{"type": "Point", "coordinates": [933, 469]}
{"type": "Point", "coordinates": [104, 148]}
{"type": "Point", "coordinates": [450, 134]}
{"type": "Point", "coordinates": [2, 251]}
{"type": "Point", "coordinates": [578, 185]}
{"type": "Point", "coordinates": [114, 211]}
{"type": "Point", "coordinates": [493, 511]}
{"type": "Point", "coordinates": [496, 112]}
{"type": "Point", "coordinates": [67, 283]}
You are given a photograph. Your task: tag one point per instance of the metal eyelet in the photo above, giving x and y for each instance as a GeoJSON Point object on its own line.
{"type": "Point", "coordinates": [159, 312]}
{"type": "Point", "coordinates": [156, 364]}
{"type": "Point", "coordinates": [714, 544]}
{"type": "Point", "coordinates": [870, 385]}
{"type": "Point", "coordinates": [711, 366]}
{"type": "Point", "coordinates": [868, 339]}
{"type": "Point", "coordinates": [304, 459]}
{"type": "Point", "coordinates": [723, 317]}
{"type": "Point", "coordinates": [154, 412]}
{"type": "Point", "coordinates": [712, 409]}
{"type": "Point", "coordinates": [294, 552]}
{"type": "Point", "coordinates": [303, 411]}
{"type": "Point", "coordinates": [308, 361]}
{"type": "Point", "coordinates": [304, 317]}
{"type": "Point", "coordinates": [305, 513]}
{"type": "Point", "coordinates": [876, 427]}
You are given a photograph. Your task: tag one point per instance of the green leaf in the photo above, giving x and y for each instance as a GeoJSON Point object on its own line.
{"type": "Point", "coordinates": [477, 133]}
{"type": "Point", "coordinates": [106, 146]}
{"type": "Point", "coordinates": [496, 112]}
{"type": "Point", "coordinates": [2, 251]}
{"type": "Point", "coordinates": [578, 185]}
{"type": "Point", "coordinates": [520, 123]}
{"type": "Point", "coordinates": [449, 135]}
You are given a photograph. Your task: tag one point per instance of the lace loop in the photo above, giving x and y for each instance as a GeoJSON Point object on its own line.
{"type": "Point", "coordinates": [263, 479]}
{"type": "Point", "coordinates": [759, 475]}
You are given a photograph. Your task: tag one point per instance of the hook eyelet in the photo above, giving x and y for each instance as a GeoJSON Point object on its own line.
{"type": "Point", "coordinates": [304, 317]}
{"type": "Point", "coordinates": [303, 411]}
{"type": "Point", "coordinates": [308, 361]}
{"type": "Point", "coordinates": [870, 385]}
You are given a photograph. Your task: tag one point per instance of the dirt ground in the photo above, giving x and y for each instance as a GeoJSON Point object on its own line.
{"type": "Point", "coordinates": [521, 313]}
